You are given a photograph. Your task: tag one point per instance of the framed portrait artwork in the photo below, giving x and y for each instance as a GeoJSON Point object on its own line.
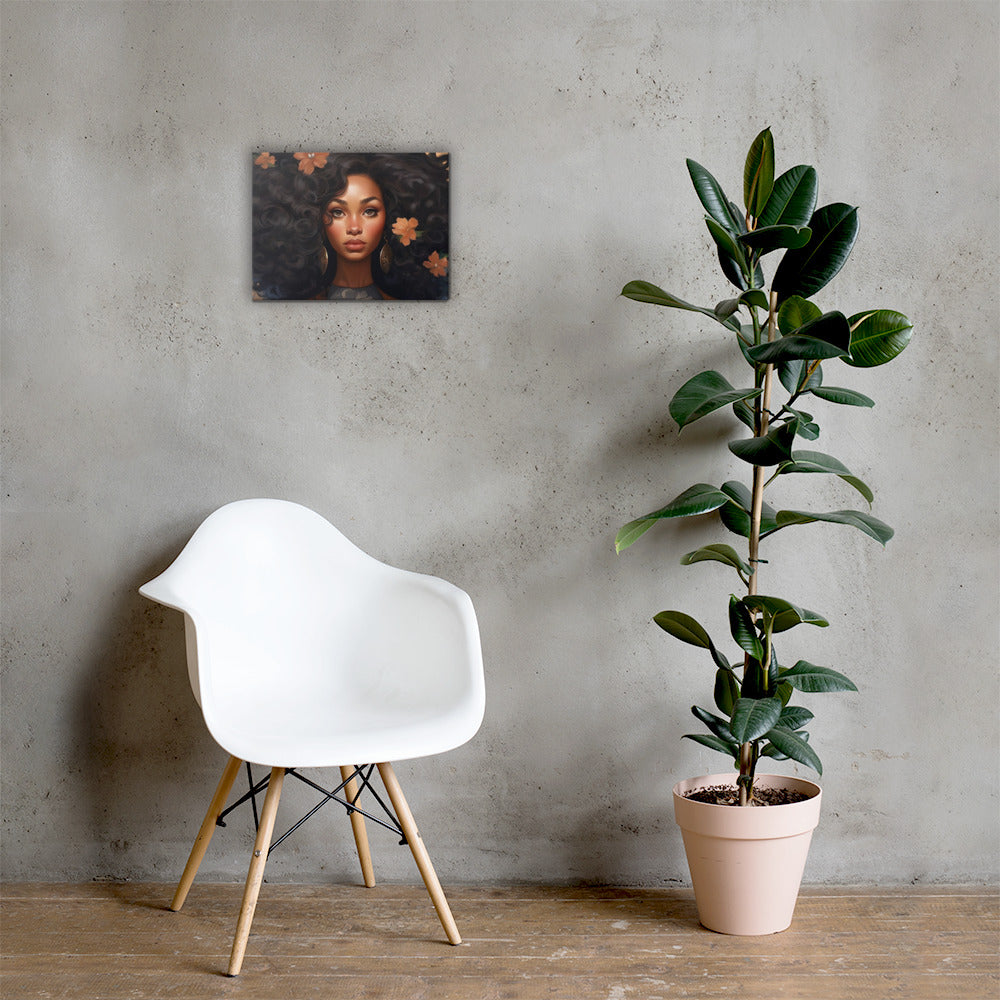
{"type": "Point", "coordinates": [350, 226]}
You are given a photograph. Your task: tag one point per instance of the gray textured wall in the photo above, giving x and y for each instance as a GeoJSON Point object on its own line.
{"type": "Point", "coordinates": [499, 439]}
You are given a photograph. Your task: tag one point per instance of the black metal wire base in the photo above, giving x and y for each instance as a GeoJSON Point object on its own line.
{"type": "Point", "coordinates": [362, 774]}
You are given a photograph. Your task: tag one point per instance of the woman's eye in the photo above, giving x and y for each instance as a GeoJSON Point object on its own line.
{"type": "Point", "coordinates": [372, 213]}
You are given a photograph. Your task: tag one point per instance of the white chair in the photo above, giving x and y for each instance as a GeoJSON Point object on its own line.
{"type": "Point", "coordinates": [303, 651]}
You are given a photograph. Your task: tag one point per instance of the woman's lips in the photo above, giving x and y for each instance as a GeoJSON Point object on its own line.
{"type": "Point", "coordinates": [355, 245]}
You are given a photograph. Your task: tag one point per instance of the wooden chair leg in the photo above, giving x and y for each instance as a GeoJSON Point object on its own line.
{"type": "Point", "coordinates": [204, 837]}
{"type": "Point", "coordinates": [256, 873]}
{"type": "Point", "coordinates": [420, 854]}
{"type": "Point", "coordinates": [358, 826]}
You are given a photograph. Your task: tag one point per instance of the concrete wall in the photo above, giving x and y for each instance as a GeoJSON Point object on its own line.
{"type": "Point", "coordinates": [499, 439]}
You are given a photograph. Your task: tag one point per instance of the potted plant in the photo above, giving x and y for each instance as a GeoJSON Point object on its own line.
{"type": "Point", "coordinates": [785, 338]}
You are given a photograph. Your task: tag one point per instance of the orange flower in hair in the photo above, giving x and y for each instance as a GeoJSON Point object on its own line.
{"type": "Point", "coordinates": [308, 162]}
{"type": "Point", "coordinates": [406, 230]}
{"type": "Point", "coordinates": [437, 265]}
{"type": "Point", "coordinates": [264, 161]}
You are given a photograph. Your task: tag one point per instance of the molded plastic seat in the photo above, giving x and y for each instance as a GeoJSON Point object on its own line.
{"type": "Point", "coordinates": [304, 651]}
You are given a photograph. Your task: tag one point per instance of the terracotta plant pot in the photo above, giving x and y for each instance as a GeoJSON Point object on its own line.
{"type": "Point", "coordinates": [746, 862]}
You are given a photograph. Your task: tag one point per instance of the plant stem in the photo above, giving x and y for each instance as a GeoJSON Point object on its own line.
{"type": "Point", "coordinates": [772, 326]}
{"type": "Point", "coordinates": [746, 773]}
{"type": "Point", "coordinates": [766, 663]}
{"type": "Point", "coordinates": [756, 508]}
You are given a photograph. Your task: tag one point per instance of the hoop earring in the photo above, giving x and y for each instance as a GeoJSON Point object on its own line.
{"type": "Point", "coordinates": [324, 260]}
{"type": "Point", "coordinates": [385, 257]}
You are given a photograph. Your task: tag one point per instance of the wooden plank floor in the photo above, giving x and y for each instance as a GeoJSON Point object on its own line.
{"type": "Point", "coordinates": [104, 941]}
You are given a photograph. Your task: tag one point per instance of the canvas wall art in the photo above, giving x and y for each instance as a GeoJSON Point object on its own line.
{"type": "Point", "coordinates": [350, 226]}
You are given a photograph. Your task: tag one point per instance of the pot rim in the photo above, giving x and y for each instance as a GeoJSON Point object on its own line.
{"type": "Point", "coordinates": [765, 823]}
{"type": "Point", "coordinates": [810, 788]}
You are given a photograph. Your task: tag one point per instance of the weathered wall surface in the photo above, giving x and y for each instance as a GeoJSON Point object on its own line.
{"type": "Point", "coordinates": [499, 439]}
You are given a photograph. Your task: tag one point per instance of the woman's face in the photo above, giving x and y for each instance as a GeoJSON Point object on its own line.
{"type": "Point", "coordinates": [355, 218]}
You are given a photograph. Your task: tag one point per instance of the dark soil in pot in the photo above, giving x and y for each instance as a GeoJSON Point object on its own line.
{"type": "Point", "coordinates": [729, 795]}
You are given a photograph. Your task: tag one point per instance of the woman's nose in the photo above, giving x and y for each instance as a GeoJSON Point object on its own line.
{"type": "Point", "coordinates": [354, 225]}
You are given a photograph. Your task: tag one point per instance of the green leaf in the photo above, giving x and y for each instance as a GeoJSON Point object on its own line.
{"type": "Point", "coordinates": [878, 337]}
{"type": "Point", "coordinates": [645, 291]}
{"type": "Point", "coordinates": [713, 198]}
{"type": "Point", "coordinates": [744, 343]}
{"type": "Point", "coordinates": [862, 487]}
{"type": "Point", "coordinates": [727, 691]}
{"type": "Point", "coordinates": [770, 449]}
{"type": "Point", "coordinates": [794, 746]}
{"type": "Point", "coordinates": [758, 173]}
{"type": "Point", "coordinates": [829, 336]}
{"type": "Point", "coordinates": [738, 493]}
{"type": "Point", "coordinates": [872, 526]}
{"type": "Point", "coordinates": [736, 515]}
{"type": "Point", "coordinates": [795, 312]}
{"type": "Point", "coordinates": [754, 684]}
{"type": "Point", "coordinates": [698, 499]}
{"type": "Point", "coordinates": [736, 520]}
{"type": "Point", "coordinates": [816, 680]}
{"type": "Point", "coordinates": [753, 717]}
{"type": "Point", "coordinates": [731, 749]}
{"type": "Point", "coordinates": [743, 630]}
{"type": "Point", "coordinates": [754, 297]}
{"type": "Point", "coordinates": [846, 397]}
{"type": "Point", "coordinates": [793, 375]}
{"type": "Point", "coordinates": [724, 309]}
{"type": "Point", "coordinates": [770, 238]}
{"type": "Point", "coordinates": [793, 198]}
{"type": "Point", "coordinates": [720, 727]}
{"type": "Point", "coordinates": [794, 717]}
{"type": "Point", "coordinates": [728, 245]}
{"type": "Point", "coordinates": [732, 270]}
{"type": "Point", "coordinates": [683, 627]}
{"type": "Point", "coordinates": [805, 271]}
{"type": "Point", "coordinates": [718, 553]}
{"type": "Point", "coordinates": [744, 414]}
{"type": "Point", "coordinates": [631, 532]}
{"type": "Point", "coordinates": [704, 393]}
{"type": "Point", "coordinates": [784, 620]}
{"type": "Point", "coordinates": [816, 461]}
{"type": "Point", "coordinates": [775, 607]}
{"type": "Point", "coordinates": [772, 751]}
{"type": "Point", "coordinates": [795, 347]}
{"type": "Point", "coordinates": [720, 661]}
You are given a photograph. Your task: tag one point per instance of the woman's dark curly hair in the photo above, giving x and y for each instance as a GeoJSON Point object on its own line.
{"type": "Point", "coordinates": [292, 258]}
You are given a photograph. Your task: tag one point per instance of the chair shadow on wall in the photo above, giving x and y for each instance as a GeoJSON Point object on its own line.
{"type": "Point", "coordinates": [142, 740]}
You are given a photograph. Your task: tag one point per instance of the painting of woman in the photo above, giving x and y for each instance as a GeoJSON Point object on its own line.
{"type": "Point", "coordinates": [350, 227]}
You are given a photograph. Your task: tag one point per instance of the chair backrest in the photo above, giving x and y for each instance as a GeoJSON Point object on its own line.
{"type": "Point", "coordinates": [251, 553]}
{"type": "Point", "coordinates": [274, 573]}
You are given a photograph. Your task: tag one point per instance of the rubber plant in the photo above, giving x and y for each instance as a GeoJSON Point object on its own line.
{"type": "Point", "coordinates": [786, 340]}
